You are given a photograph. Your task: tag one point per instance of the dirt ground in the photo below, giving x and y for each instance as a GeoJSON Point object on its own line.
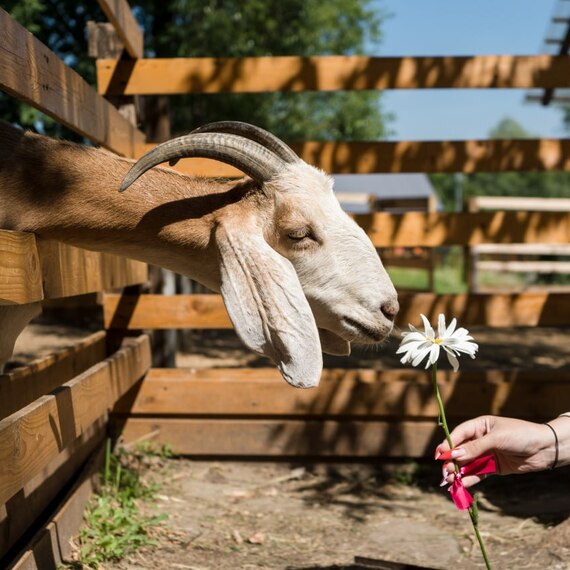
{"type": "Point", "coordinates": [239, 515]}
{"type": "Point", "coordinates": [278, 516]}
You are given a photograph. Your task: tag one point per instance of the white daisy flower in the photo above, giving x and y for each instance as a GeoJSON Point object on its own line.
{"type": "Point", "coordinates": [416, 345]}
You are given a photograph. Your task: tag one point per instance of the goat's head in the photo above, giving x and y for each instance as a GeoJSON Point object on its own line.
{"type": "Point", "coordinates": [297, 274]}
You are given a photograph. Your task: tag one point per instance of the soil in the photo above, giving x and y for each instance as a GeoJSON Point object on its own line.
{"type": "Point", "coordinates": [252, 515]}
{"type": "Point", "coordinates": [239, 515]}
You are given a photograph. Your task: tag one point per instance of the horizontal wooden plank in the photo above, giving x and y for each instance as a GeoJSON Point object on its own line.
{"type": "Point", "coordinates": [119, 14]}
{"type": "Point", "coordinates": [359, 157]}
{"type": "Point", "coordinates": [476, 203]}
{"type": "Point", "coordinates": [33, 437]}
{"type": "Point", "coordinates": [27, 508]}
{"type": "Point", "coordinates": [208, 311]}
{"type": "Point", "coordinates": [69, 270]}
{"type": "Point", "coordinates": [561, 267]}
{"type": "Point", "coordinates": [537, 395]}
{"type": "Point", "coordinates": [287, 438]}
{"type": "Point", "coordinates": [329, 73]}
{"type": "Point", "coordinates": [464, 228]}
{"type": "Point", "coordinates": [32, 73]}
{"type": "Point", "coordinates": [23, 385]}
{"type": "Point", "coordinates": [521, 249]}
{"type": "Point", "coordinates": [176, 311]}
{"type": "Point", "coordinates": [20, 273]}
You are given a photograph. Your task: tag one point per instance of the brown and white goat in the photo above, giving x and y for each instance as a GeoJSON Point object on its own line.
{"type": "Point", "coordinates": [297, 275]}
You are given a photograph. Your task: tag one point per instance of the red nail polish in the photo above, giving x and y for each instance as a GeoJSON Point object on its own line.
{"type": "Point", "coordinates": [445, 456]}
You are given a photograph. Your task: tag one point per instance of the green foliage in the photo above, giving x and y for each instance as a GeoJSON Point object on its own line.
{"type": "Point", "coordinates": [228, 28]}
{"type": "Point", "coordinates": [525, 184]}
{"type": "Point", "coordinates": [114, 525]}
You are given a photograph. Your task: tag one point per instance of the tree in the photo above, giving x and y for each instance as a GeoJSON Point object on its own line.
{"type": "Point", "coordinates": [232, 28]}
{"type": "Point", "coordinates": [535, 184]}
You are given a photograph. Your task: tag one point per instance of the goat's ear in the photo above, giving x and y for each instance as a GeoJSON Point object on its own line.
{"type": "Point", "coordinates": [267, 305]}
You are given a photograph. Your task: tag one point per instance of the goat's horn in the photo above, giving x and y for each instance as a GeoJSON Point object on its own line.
{"type": "Point", "coordinates": [257, 134]}
{"type": "Point", "coordinates": [250, 157]}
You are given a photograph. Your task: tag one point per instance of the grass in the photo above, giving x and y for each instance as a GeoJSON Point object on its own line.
{"type": "Point", "coordinates": [115, 526]}
{"type": "Point", "coordinates": [448, 275]}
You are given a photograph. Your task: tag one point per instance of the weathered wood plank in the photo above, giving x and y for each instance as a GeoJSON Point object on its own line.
{"type": "Point", "coordinates": [538, 395]}
{"type": "Point", "coordinates": [22, 511]}
{"type": "Point", "coordinates": [69, 270]}
{"type": "Point", "coordinates": [32, 437]}
{"type": "Point", "coordinates": [119, 14]}
{"type": "Point", "coordinates": [31, 72]}
{"type": "Point", "coordinates": [177, 311]}
{"type": "Point", "coordinates": [520, 266]}
{"type": "Point", "coordinates": [208, 311]}
{"type": "Point", "coordinates": [412, 156]}
{"type": "Point", "coordinates": [287, 438]}
{"type": "Point", "coordinates": [20, 274]}
{"type": "Point", "coordinates": [464, 228]}
{"type": "Point", "coordinates": [518, 203]}
{"type": "Point", "coordinates": [24, 385]}
{"type": "Point", "coordinates": [329, 73]}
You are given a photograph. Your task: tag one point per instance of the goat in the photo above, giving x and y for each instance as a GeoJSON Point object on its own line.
{"type": "Point", "coordinates": [296, 273]}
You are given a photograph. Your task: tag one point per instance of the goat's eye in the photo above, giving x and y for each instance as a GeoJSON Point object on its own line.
{"type": "Point", "coordinates": [298, 235]}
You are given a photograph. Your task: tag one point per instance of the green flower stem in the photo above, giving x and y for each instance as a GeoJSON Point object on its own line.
{"type": "Point", "coordinates": [442, 421]}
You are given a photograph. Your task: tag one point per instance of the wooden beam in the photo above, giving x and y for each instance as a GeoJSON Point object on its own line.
{"type": "Point", "coordinates": [525, 266]}
{"type": "Point", "coordinates": [31, 72]}
{"type": "Point", "coordinates": [33, 269]}
{"type": "Point", "coordinates": [23, 385]}
{"type": "Point", "coordinates": [477, 203]}
{"type": "Point", "coordinates": [441, 229]}
{"type": "Point", "coordinates": [33, 437]}
{"type": "Point", "coordinates": [119, 13]}
{"type": "Point", "coordinates": [287, 438]}
{"type": "Point", "coordinates": [27, 508]}
{"type": "Point", "coordinates": [411, 156]}
{"type": "Point", "coordinates": [69, 270]}
{"type": "Point", "coordinates": [208, 311]}
{"type": "Point", "coordinates": [536, 395]}
{"type": "Point", "coordinates": [20, 273]}
{"type": "Point", "coordinates": [329, 73]}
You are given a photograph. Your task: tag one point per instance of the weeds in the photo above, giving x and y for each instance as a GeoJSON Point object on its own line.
{"type": "Point", "coordinates": [114, 524]}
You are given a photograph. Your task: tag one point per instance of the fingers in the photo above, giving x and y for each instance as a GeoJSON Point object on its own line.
{"type": "Point", "coordinates": [468, 481]}
{"type": "Point", "coordinates": [468, 431]}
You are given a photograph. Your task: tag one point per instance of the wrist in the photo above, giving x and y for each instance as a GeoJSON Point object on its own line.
{"type": "Point", "coordinates": [561, 426]}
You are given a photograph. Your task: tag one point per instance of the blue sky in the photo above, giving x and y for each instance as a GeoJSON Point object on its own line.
{"type": "Point", "coordinates": [465, 27]}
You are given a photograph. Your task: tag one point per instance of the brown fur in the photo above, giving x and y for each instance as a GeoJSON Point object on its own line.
{"type": "Point", "coordinates": [69, 192]}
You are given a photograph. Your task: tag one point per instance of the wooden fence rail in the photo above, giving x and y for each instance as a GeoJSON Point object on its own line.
{"type": "Point", "coordinates": [353, 413]}
{"type": "Point", "coordinates": [31, 72]}
{"type": "Point", "coordinates": [365, 157]}
{"type": "Point", "coordinates": [328, 73]}
{"type": "Point", "coordinates": [32, 437]}
{"type": "Point", "coordinates": [34, 269]}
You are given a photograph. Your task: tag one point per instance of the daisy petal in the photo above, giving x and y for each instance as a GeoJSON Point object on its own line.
{"type": "Point", "coordinates": [429, 332]}
{"type": "Point", "coordinates": [441, 325]}
{"type": "Point", "coordinates": [453, 361]}
{"type": "Point", "coordinates": [451, 327]}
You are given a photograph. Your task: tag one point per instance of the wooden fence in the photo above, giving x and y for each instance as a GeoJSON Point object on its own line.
{"type": "Point", "coordinates": [55, 412]}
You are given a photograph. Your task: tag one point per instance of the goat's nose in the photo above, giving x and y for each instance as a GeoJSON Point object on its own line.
{"type": "Point", "coordinates": [390, 309]}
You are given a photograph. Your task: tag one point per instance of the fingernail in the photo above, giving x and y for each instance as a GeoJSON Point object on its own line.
{"type": "Point", "coordinates": [443, 482]}
{"type": "Point", "coordinates": [457, 453]}
{"type": "Point", "coordinates": [445, 456]}
{"type": "Point", "coordinates": [437, 454]}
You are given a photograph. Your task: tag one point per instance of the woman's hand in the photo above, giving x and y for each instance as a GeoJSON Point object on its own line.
{"type": "Point", "coordinates": [518, 446]}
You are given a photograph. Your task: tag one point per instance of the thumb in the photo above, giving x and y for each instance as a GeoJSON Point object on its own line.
{"type": "Point", "coordinates": [470, 450]}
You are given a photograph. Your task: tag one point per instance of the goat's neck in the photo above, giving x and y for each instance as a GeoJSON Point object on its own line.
{"type": "Point", "coordinates": [70, 193]}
